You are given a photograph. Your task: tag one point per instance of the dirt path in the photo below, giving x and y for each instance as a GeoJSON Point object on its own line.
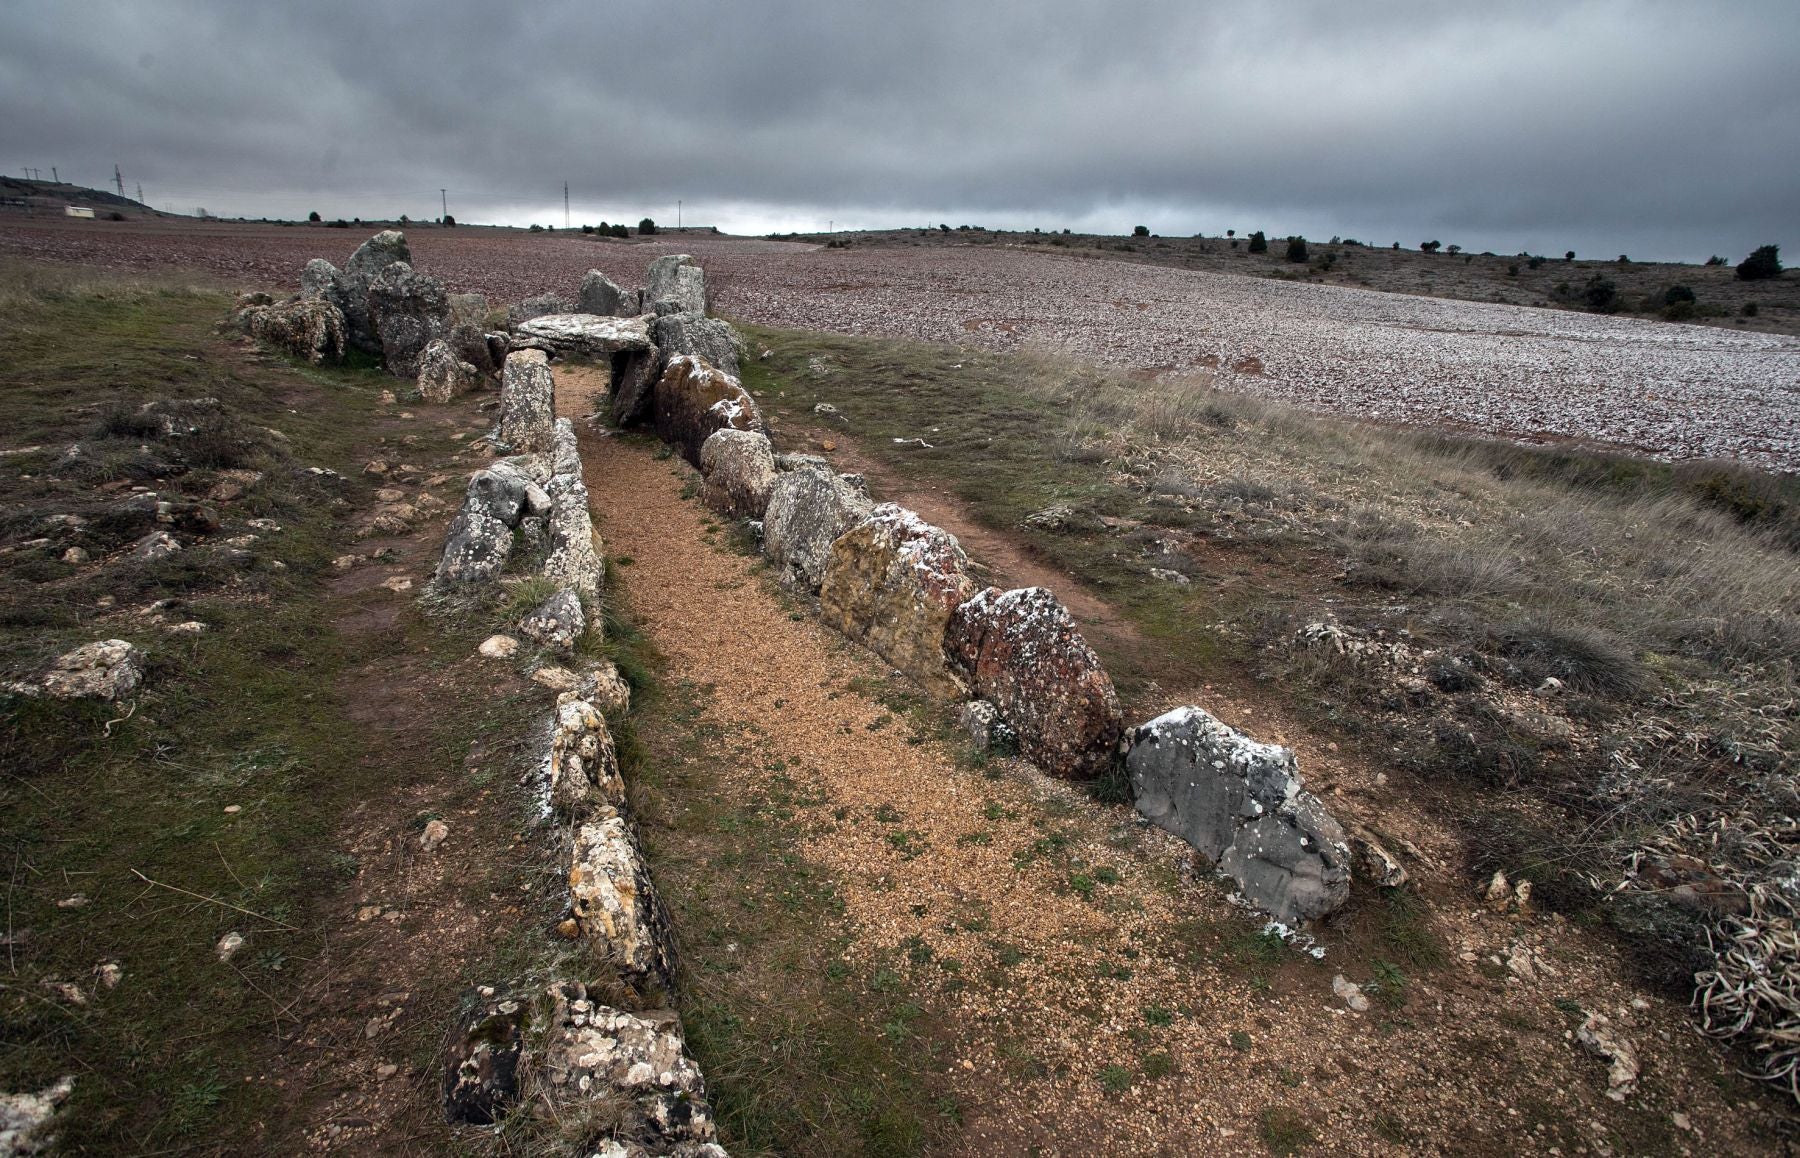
{"type": "Point", "coordinates": [1092, 995]}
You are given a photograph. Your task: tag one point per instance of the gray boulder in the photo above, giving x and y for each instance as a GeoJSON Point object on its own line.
{"type": "Point", "coordinates": [739, 467]}
{"type": "Point", "coordinates": [808, 509]}
{"type": "Point", "coordinates": [309, 328]}
{"type": "Point", "coordinates": [556, 623]}
{"type": "Point", "coordinates": [573, 549]}
{"type": "Point", "coordinates": [523, 311]}
{"type": "Point", "coordinates": [107, 669]}
{"type": "Point", "coordinates": [443, 375]}
{"type": "Point", "coordinates": [527, 403]}
{"type": "Point", "coordinates": [699, 335]}
{"type": "Point", "coordinates": [694, 398]}
{"type": "Point", "coordinates": [1241, 805]}
{"type": "Point", "coordinates": [467, 332]}
{"type": "Point", "coordinates": [371, 257]}
{"type": "Point", "coordinates": [481, 535]}
{"type": "Point", "coordinates": [582, 335]}
{"type": "Point", "coordinates": [407, 309]}
{"type": "Point", "coordinates": [600, 296]}
{"type": "Point", "coordinates": [675, 285]}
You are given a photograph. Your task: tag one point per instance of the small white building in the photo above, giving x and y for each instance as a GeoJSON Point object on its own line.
{"type": "Point", "coordinates": [78, 211]}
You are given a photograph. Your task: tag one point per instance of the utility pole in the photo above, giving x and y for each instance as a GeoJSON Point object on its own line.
{"type": "Point", "coordinates": [678, 215]}
{"type": "Point", "coordinates": [53, 176]}
{"type": "Point", "coordinates": [140, 198]}
{"type": "Point", "coordinates": [565, 204]}
{"type": "Point", "coordinates": [444, 201]}
{"type": "Point", "coordinates": [119, 180]}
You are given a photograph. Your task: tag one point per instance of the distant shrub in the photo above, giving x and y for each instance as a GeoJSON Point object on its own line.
{"type": "Point", "coordinates": [622, 231]}
{"type": "Point", "coordinates": [587, 229]}
{"type": "Point", "coordinates": [1259, 243]}
{"type": "Point", "coordinates": [1535, 262]}
{"type": "Point", "coordinates": [942, 228]}
{"type": "Point", "coordinates": [1569, 256]}
{"type": "Point", "coordinates": [1231, 233]}
{"type": "Point", "coordinates": [1715, 259]}
{"type": "Point", "coordinates": [1601, 295]}
{"type": "Point", "coordinates": [1140, 231]}
{"type": "Point", "coordinates": [449, 222]}
{"type": "Point", "coordinates": [115, 215]}
{"type": "Point", "coordinates": [1679, 311]}
{"type": "Point", "coordinates": [1623, 260]}
{"type": "Point", "coordinates": [313, 217]}
{"type": "Point", "coordinates": [1430, 246]}
{"type": "Point", "coordinates": [1351, 241]}
{"type": "Point", "coordinates": [1678, 293]}
{"type": "Point", "coordinates": [1764, 263]}
{"type": "Point", "coordinates": [405, 220]}
{"type": "Point", "coordinates": [647, 228]}
{"type": "Point", "coordinates": [1296, 249]}
{"type": "Point", "coordinates": [1750, 310]}
{"type": "Point", "coordinates": [340, 223]}
{"type": "Point", "coordinates": [1512, 270]}
{"type": "Point", "coordinates": [1453, 250]}
{"type": "Point", "coordinates": [1396, 245]}
{"type": "Point", "coordinates": [535, 228]}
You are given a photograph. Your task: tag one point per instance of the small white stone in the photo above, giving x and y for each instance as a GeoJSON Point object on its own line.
{"type": "Point", "coordinates": [434, 834]}
{"type": "Point", "coordinates": [228, 945]}
{"type": "Point", "coordinates": [499, 647]}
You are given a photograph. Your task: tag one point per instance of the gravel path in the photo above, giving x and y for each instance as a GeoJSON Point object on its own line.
{"type": "Point", "coordinates": [1042, 987]}
{"type": "Point", "coordinates": [1669, 390]}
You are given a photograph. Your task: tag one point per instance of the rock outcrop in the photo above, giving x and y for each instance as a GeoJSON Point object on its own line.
{"type": "Point", "coordinates": [614, 905]}
{"type": "Point", "coordinates": [527, 403]}
{"type": "Point", "coordinates": [443, 375]}
{"type": "Point", "coordinates": [694, 398]}
{"type": "Point", "coordinates": [700, 336]}
{"type": "Point", "coordinates": [675, 285]}
{"type": "Point", "coordinates": [349, 290]}
{"type": "Point", "coordinates": [1021, 651]}
{"type": "Point", "coordinates": [307, 328]}
{"type": "Point", "coordinates": [1241, 805]}
{"type": "Point", "coordinates": [638, 1059]}
{"type": "Point", "coordinates": [808, 508]}
{"type": "Point", "coordinates": [107, 669]}
{"type": "Point", "coordinates": [407, 309]}
{"type": "Point", "coordinates": [575, 553]}
{"type": "Point", "coordinates": [891, 583]}
{"type": "Point", "coordinates": [739, 467]}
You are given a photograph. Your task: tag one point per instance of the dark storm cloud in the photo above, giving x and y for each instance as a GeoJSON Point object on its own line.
{"type": "Point", "coordinates": [1659, 128]}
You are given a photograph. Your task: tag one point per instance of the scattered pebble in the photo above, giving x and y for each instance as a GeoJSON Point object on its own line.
{"type": "Point", "coordinates": [228, 945]}
{"type": "Point", "coordinates": [499, 647]}
{"type": "Point", "coordinates": [435, 832]}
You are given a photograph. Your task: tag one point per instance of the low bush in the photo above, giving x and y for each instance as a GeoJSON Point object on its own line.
{"type": "Point", "coordinates": [1296, 249]}
{"type": "Point", "coordinates": [1760, 265]}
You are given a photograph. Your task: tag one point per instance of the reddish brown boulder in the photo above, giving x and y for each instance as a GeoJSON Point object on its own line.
{"type": "Point", "coordinates": [696, 398]}
{"type": "Point", "coordinates": [1021, 651]}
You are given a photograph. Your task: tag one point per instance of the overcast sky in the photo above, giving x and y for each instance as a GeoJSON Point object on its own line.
{"type": "Point", "coordinates": [1663, 130]}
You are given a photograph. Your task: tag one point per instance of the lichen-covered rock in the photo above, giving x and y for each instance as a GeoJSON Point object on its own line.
{"type": "Point", "coordinates": [521, 312]}
{"type": "Point", "coordinates": [443, 375]}
{"type": "Point", "coordinates": [466, 331]}
{"type": "Point", "coordinates": [615, 907]}
{"type": "Point", "coordinates": [987, 731]}
{"type": "Point", "coordinates": [26, 1119]}
{"type": "Point", "coordinates": [700, 336]}
{"type": "Point", "coordinates": [481, 1061]}
{"type": "Point", "coordinates": [407, 309]}
{"type": "Point", "coordinates": [637, 1060]}
{"type": "Point", "coordinates": [739, 466]}
{"type": "Point", "coordinates": [634, 377]}
{"type": "Point", "coordinates": [809, 507]}
{"type": "Point", "coordinates": [891, 583]}
{"type": "Point", "coordinates": [156, 545]}
{"type": "Point", "coordinates": [1021, 651]}
{"type": "Point", "coordinates": [304, 327]}
{"type": "Point", "coordinates": [575, 550]}
{"type": "Point", "coordinates": [600, 296]}
{"type": "Point", "coordinates": [527, 403]}
{"type": "Point", "coordinates": [556, 623]}
{"type": "Point", "coordinates": [107, 669]}
{"type": "Point", "coordinates": [1242, 806]}
{"type": "Point", "coordinates": [606, 689]}
{"type": "Point", "coordinates": [480, 538]}
{"type": "Point", "coordinates": [583, 763]}
{"type": "Point", "coordinates": [583, 335]}
{"type": "Point", "coordinates": [675, 285]}
{"type": "Point", "coordinates": [695, 398]}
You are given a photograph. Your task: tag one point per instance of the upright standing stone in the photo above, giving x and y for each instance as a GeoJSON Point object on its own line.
{"type": "Point", "coordinates": [809, 507]}
{"type": "Point", "coordinates": [527, 403]}
{"type": "Point", "coordinates": [407, 309]}
{"type": "Point", "coordinates": [600, 296]}
{"type": "Point", "coordinates": [695, 398]}
{"type": "Point", "coordinates": [891, 584]}
{"type": "Point", "coordinates": [1021, 651]}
